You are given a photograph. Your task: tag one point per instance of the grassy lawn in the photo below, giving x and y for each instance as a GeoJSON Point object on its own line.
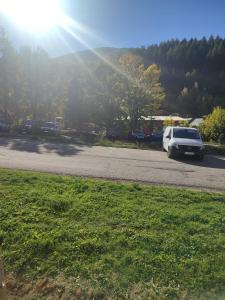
{"type": "Point", "coordinates": [96, 239]}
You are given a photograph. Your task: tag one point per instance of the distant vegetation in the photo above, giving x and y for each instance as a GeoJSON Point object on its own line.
{"type": "Point", "coordinates": [192, 73]}
{"type": "Point", "coordinates": [112, 85]}
{"type": "Point", "coordinates": [81, 89]}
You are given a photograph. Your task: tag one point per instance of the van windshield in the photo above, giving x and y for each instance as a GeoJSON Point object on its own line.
{"type": "Point", "coordinates": [185, 133]}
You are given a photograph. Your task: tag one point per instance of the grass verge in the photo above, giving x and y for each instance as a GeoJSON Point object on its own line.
{"type": "Point", "coordinates": [216, 149]}
{"type": "Point", "coordinates": [105, 240]}
{"type": "Point", "coordinates": [95, 140]}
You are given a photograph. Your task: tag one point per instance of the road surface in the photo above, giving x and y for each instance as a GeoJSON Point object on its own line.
{"type": "Point", "coordinates": [113, 163]}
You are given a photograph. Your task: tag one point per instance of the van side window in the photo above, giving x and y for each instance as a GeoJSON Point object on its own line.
{"type": "Point", "coordinates": [169, 134]}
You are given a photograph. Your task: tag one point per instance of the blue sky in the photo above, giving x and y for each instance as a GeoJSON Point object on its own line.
{"type": "Point", "coordinates": [129, 23]}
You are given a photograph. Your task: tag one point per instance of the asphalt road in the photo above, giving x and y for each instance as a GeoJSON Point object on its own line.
{"type": "Point", "coordinates": [113, 163]}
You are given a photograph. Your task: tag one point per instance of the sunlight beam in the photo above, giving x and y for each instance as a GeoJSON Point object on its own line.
{"type": "Point", "coordinates": [87, 46]}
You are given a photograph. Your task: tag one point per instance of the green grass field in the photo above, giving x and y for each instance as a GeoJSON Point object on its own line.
{"type": "Point", "coordinates": [112, 241]}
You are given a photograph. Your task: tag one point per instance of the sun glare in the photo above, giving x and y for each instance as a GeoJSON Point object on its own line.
{"type": "Point", "coordinates": [46, 17]}
{"type": "Point", "coordinates": [32, 15]}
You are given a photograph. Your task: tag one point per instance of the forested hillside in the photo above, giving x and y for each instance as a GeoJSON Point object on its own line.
{"type": "Point", "coordinates": [107, 84]}
{"type": "Point", "coordinates": [99, 86]}
{"type": "Point", "coordinates": [192, 73]}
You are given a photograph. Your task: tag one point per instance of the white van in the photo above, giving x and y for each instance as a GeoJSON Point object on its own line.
{"type": "Point", "coordinates": [183, 140]}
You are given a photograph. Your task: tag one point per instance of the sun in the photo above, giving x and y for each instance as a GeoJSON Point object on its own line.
{"type": "Point", "coordinates": [32, 15]}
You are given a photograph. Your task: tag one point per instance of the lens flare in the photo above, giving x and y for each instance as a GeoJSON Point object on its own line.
{"type": "Point", "coordinates": [32, 15]}
{"type": "Point", "coordinates": [47, 16]}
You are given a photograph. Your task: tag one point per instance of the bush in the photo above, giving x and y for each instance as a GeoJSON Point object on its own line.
{"type": "Point", "coordinates": [184, 123]}
{"type": "Point", "coordinates": [169, 122]}
{"type": "Point", "coordinates": [213, 128]}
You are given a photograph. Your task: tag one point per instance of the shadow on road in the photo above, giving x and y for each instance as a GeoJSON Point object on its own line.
{"type": "Point", "coordinates": [62, 149]}
{"type": "Point", "coordinates": [4, 142]}
{"type": "Point", "coordinates": [209, 161]}
{"type": "Point", "coordinates": [23, 145]}
{"type": "Point", "coordinates": [40, 147]}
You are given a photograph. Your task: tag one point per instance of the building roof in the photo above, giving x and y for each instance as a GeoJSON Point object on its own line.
{"type": "Point", "coordinates": [196, 122]}
{"type": "Point", "coordinates": [164, 118]}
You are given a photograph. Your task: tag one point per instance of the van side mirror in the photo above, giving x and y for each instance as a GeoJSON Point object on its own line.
{"type": "Point", "coordinates": [168, 137]}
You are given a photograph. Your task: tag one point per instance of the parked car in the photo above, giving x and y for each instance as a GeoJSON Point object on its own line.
{"type": "Point", "coordinates": [4, 127]}
{"type": "Point", "coordinates": [114, 133]}
{"type": "Point", "coordinates": [137, 135]}
{"type": "Point", "coordinates": [29, 126]}
{"type": "Point", "coordinates": [155, 137]}
{"type": "Point", "coordinates": [50, 127]}
{"type": "Point", "coordinates": [25, 126]}
{"type": "Point", "coordinates": [183, 141]}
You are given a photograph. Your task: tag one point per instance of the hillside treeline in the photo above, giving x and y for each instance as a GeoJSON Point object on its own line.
{"type": "Point", "coordinates": [109, 85]}
{"type": "Point", "coordinates": [81, 88]}
{"type": "Point", "coordinates": [192, 73]}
